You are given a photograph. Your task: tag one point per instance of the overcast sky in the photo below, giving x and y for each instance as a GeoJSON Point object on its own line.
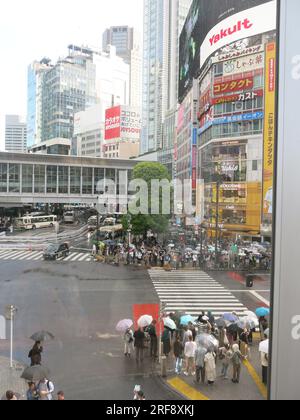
{"type": "Point", "coordinates": [33, 29]}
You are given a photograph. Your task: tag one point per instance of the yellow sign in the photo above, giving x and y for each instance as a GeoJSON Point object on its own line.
{"type": "Point", "coordinates": [269, 128]}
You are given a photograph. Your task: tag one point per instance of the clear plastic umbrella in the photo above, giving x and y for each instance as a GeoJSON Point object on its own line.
{"type": "Point", "coordinates": [124, 325]}
{"type": "Point", "coordinates": [207, 341]}
{"type": "Point", "coordinates": [169, 323]}
{"type": "Point", "coordinates": [145, 321]}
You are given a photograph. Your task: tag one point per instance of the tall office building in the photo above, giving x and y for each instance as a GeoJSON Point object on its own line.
{"type": "Point", "coordinates": [75, 83]}
{"type": "Point", "coordinates": [163, 21]}
{"type": "Point", "coordinates": [15, 134]}
{"type": "Point", "coordinates": [36, 72]}
{"type": "Point", "coordinates": [126, 40]}
{"type": "Point", "coordinates": [121, 37]}
{"type": "Point", "coordinates": [68, 87]}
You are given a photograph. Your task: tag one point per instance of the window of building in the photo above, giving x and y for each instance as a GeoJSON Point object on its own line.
{"type": "Point", "coordinates": [63, 180]}
{"type": "Point", "coordinates": [254, 165]}
{"type": "Point", "coordinates": [52, 179]}
{"type": "Point", "coordinates": [39, 179]}
{"type": "Point", "coordinates": [27, 179]}
{"type": "Point", "coordinates": [3, 177]}
{"type": "Point", "coordinates": [75, 181]}
{"type": "Point", "coordinates": [87, 181]}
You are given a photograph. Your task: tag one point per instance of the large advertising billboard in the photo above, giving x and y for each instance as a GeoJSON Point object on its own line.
{"type": "Point", "coordinates": [113, 123]}
{"type": "Point", "coordinates": [269, 128]}
{"type": "Point", "coordinates": [212, 25]}
{"type": "Point", "coordinates": [123, 122]}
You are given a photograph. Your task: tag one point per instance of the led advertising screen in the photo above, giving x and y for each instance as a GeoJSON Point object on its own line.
{"type": "Point", "coordinates": [213, 24]}
{"type": "Point", "coordinates": [113, 123]}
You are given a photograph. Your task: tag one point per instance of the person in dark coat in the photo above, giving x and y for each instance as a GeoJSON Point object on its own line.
{"type": "Point", "coordinates": [139, 344]}
{"type": "Point", "coordinates": [35, 354]}
{"type": "Point", "coordinates": [166, 340]}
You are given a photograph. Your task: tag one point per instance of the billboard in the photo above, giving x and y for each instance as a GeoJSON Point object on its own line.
{"type": "Point", "coordinates": [269, 128]}
{"type": "Point", "coordinates": [112, 123]}
{"type": "Point", "coordinates": [213, 24]}
{"type": "Point", "coordinates": [122, 123]}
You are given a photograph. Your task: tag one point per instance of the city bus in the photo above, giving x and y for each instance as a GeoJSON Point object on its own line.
{"type": "Point", "coordinates": [35, 222]}
{"type": "Point", "coordinates": [111, 232]}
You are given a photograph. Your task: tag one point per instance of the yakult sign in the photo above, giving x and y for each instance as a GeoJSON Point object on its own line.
{"type": "Point", "coordinates": [248, 23]}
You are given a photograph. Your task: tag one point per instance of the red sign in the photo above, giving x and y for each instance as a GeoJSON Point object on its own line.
{"type": "Point", "coordinates": [233, 86]}
{"type": "Point", "coordinates": [113, 123]}
{"type": "Point", "coordinates": [239, 97]}
{"type": "Point", "coordinates": [150, 309]}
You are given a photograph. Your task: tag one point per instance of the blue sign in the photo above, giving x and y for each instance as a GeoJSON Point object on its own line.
{"type": "Point", "coordinates": [231, 119]}
{"type": "Point", "coordinates": [195, 136]}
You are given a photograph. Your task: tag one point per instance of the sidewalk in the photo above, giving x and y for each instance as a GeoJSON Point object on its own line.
{"type": "Point", "coordinates": [10, 378]}
{"type": "Point", "coordinates": [250, 387]}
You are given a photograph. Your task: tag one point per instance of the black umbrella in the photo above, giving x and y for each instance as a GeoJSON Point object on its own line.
{"type": "Point", "coordinates": [233, 328]}
{"type": "Point", "coordinates": [35, 373]}
{"type": "Point", "coordinates": [42, 336]}
{"type": "Point", "coordinates": [221, 323]}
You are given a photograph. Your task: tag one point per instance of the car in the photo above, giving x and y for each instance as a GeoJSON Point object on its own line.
{"type": "Point", "coordinates": [55, 251]}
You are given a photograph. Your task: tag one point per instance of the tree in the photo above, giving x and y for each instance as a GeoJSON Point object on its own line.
{"type": "Point", "coordinates": [157, 223]}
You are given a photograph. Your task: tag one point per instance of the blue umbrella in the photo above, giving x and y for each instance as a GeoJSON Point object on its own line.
{"type": "Point", "coordinates": [230, 317]}
{"type": "Point", "coordinates": [186, 319]}
{"type": "Point", "coordinates": [261, 312]}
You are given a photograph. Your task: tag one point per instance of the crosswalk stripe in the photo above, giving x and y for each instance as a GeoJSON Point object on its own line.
{"type": "Point", "coordinates": [193, 292]}
{"type": "Point", "coordinates": [22, 255]}
{"type": "Point", "coordinates": [11, 255]}
{"type": "Point", "coordinates": [32, 256]}
{"type": "Point", "coordinates": [77, 256]}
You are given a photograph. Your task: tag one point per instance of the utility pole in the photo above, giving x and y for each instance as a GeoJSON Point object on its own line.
{"type": "Point", "coordinates": [217, 219]}
{"type": "Point", "coordinates": [10, 312]}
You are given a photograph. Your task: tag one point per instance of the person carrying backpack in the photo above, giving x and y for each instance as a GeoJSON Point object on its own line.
{"type": "Point", "coordinates": [45, 390]}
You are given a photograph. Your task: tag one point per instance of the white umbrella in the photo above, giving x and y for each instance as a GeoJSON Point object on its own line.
{"type": "Point", "coordinates": [169, 323]}
{"type": "Point", "coordinates": [124, 325]}
{"type": "Point", "coordinates": [145, 321]}
{"type": "Point", "coordinates": [264, 347]}
{"type": "Point", "coordinates": [251, 315]}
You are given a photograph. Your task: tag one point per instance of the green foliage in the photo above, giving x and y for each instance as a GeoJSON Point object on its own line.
{"type": "Point", "coordinates": [141, 223]}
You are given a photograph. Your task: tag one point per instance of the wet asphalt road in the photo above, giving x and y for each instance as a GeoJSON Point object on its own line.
{"type": "Point", "coordinates": [80, 303]}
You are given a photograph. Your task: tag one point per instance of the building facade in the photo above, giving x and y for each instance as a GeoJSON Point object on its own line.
{"type": "Point", "coordinates": [35, 75]}
{"type": "Point", "coordinates": [68, 87]}
{"type": "Point", "coordinates": [15, 134]}
{"type": "Point", "coordinates": [126, 40]}
{"type": "Point", "coordinates": [231, 139]}
{"type": "Point", "coordinates": [89, 132]}
{"type": "Point", "coordinates": [163, 21]}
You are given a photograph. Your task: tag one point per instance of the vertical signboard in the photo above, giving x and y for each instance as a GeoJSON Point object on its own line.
{"type": "Point", "coordinates": [113, 123]}
{"type": "Point", "coordinates": [285, 367]}
{"type": "Point", "coordinates": [269, 129]}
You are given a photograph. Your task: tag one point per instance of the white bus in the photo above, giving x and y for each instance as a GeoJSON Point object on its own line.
{"type": "Point", "coordinates": [35, 222]}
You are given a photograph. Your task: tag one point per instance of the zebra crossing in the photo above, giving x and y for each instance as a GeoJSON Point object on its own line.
{"type": "Point", "coordinates": [191, 292]}
{"type": "Point", "coordinates": [22, 255]}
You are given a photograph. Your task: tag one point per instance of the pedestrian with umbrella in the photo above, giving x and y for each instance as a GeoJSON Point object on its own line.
{"type": "Point", "coordinates": [139, 344]}
{"type": "Point", "coordinates": [237, 359]}
{"type": "Point", "coordinates": [264, 357]}
{"type": "Point", "coordinates": [153, 340]}
{"type": "Point", "coordinates": [124, 327]}
{"type": "Point", "coordinates": [45, 390]}
{"type": "Point", "coordinates": [35, 354]}
{"type": "Point", "coordinates": [210, 366]}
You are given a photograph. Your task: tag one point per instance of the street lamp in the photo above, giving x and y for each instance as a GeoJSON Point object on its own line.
{"type": "Point", "coordinates": [10, 312]}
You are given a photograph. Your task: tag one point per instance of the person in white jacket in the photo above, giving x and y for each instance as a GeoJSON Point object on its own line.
{"type": "Point", "coordinates": [128, 342]}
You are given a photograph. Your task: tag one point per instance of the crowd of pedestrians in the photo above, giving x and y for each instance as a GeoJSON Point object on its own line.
{"type": "Point", "coordinates": [200, 349]}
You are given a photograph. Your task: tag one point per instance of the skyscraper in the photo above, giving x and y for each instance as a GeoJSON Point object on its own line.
{"type": "Point", "coordinates": [121, 37]}
{"type": "Point", "coordinates": [68, 87]}
{"type": "Point", "coordinates": [36, 72]}
{"type": "Point", "coordinates": [163, 21]}
{"type": "Point", "coordinates": [15, 134]}
{"type": "Point", "coordinates": [126, 40]}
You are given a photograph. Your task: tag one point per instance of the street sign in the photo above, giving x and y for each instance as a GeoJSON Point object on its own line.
{"type": "Point", "coordinates": [285, 368]}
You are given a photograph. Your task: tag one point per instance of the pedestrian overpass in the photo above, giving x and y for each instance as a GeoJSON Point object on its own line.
{"type": "Point", "coordinates": [29, 179]}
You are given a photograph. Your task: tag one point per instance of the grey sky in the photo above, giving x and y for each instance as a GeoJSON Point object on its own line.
{"type": "Point", "coordinates": [33, 29]}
